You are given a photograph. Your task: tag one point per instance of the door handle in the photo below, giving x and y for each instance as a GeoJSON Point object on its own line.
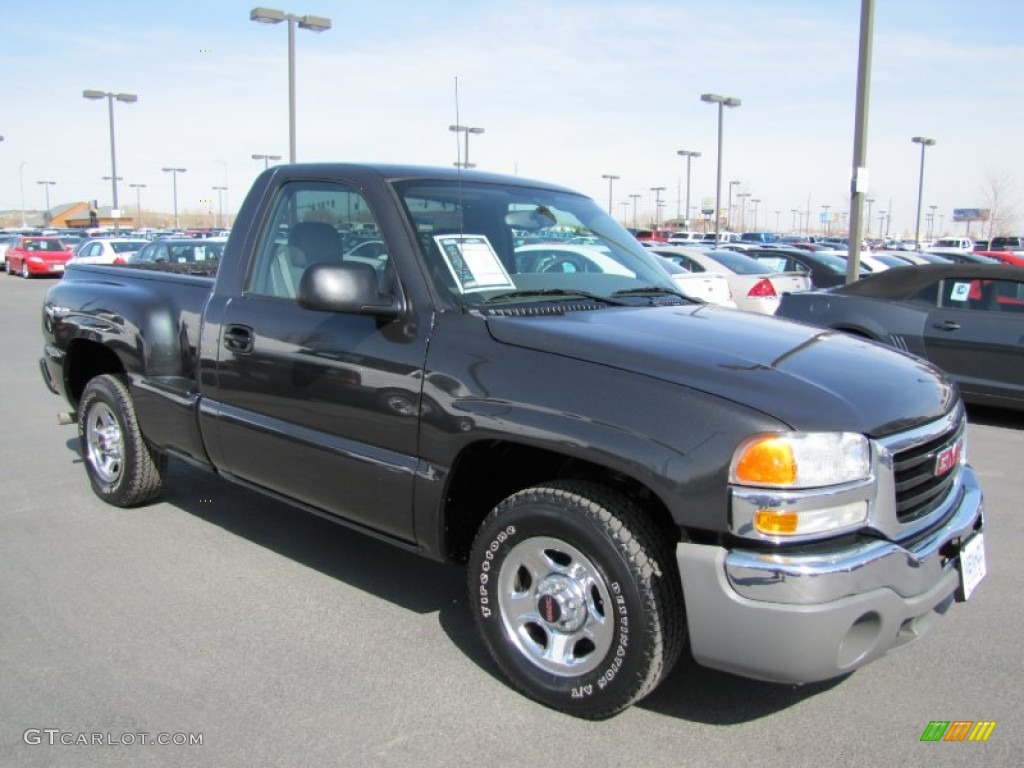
{"type": "Point", "coordinates": [947, 325]}
{"type": "Point", "coordinates": [239, 339]}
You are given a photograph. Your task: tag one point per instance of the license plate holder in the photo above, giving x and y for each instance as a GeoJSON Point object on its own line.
{"type": "Point", "coordinates": [973, 566]}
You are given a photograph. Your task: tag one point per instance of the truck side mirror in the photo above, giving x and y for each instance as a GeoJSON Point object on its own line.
{"type": "Point", "coordinates": [349, 287]}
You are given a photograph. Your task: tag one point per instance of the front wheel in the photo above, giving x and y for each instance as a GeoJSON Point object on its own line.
{"type": "Point", "coordinates": [577, 597]}
{"type": "Point", "coordinates": [123, 468]}
{"type": "Point", "coordinates": [24, 271]}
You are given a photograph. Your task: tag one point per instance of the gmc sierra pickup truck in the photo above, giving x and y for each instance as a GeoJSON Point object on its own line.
{"type": "Point", "coordinates": [490, 370]}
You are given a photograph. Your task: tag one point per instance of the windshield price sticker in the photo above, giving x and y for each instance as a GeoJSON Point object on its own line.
{"type": "Point", "coordinates": [972, 564]}
{"type": "Point", "coordinates": [473, 262]}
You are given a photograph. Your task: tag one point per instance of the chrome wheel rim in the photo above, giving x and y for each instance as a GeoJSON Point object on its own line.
{"type": "Point", "coordinates": [555, 606]}
{"type": "Point", "coordinates": [104, 443]}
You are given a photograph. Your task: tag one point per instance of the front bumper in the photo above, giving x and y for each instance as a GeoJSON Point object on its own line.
{"type": "Point", "coordinates": [802, 618]}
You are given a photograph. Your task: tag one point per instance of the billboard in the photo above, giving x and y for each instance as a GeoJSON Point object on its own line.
{"type": "Point", "coordinates": [971, 214]}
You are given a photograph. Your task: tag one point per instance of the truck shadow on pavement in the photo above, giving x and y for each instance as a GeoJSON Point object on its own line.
{"type": "Point", "coordinates": [423, 586]}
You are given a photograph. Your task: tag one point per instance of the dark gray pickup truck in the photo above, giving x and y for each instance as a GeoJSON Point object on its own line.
{"type": "Point", "coordinates": [491, 370]}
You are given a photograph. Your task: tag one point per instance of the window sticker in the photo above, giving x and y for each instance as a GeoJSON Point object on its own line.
{"type": "Point", "coordinates": [960, 292]}
{"type": "Point", "coordinates": [473, 262]}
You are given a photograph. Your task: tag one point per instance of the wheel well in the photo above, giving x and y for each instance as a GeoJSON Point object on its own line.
{"type": "Point", "coordinates": [86, 360]}
{"type": "Point", "coordinates": [486, 473]}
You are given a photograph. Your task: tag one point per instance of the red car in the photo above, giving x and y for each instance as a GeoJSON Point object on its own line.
{"type": "Point", "coordinates": [32, 256]}
{"type": "Point", "coordinates": [1006, 257]}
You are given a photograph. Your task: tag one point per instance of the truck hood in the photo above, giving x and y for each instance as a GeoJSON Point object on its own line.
{"type": "Point", "coordinates": [809, 378]}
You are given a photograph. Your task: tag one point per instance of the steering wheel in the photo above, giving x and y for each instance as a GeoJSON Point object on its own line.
{"type": "Point", "coordinates": [561, 264]}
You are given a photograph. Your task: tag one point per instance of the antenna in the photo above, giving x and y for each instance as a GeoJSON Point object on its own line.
{"type": "Point", "coordinates": [453, 128]}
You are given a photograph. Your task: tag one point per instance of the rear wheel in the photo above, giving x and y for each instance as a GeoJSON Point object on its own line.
{"type": "Point", "coordinates": [123, 468]}
{"type": "Point", "coordinates": [577, 597]}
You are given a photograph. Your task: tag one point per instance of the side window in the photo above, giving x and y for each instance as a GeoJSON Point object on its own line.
{"type": "Point", "coordinates": [315, 223]}
{"type": "Point", "coordinates": [1010, 295]}
{"type": "Point", "coordinates": [929, 295]}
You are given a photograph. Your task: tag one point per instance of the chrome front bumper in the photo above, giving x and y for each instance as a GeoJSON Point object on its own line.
{"type": "Point", "coordinates": [801, 618]}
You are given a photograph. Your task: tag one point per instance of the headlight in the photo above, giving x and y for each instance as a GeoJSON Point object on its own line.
{"type": "Point", "coordinates": [35, 259]}
{"type": "Point", "coordinates": [801, 460]}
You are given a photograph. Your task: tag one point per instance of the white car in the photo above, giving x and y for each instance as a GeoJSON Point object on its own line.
{"type": "Point", "coordinates": [108, 250]}
{"type": "Point", "coordinates": [754, 287]}
{"type": "Point", "coordinates": [710, 287]}
{"type": "Point", "coordinates": [683, 238]}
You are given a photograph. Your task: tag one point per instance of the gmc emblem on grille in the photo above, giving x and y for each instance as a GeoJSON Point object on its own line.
{"type": "Point", "coordinates": [947, 459]}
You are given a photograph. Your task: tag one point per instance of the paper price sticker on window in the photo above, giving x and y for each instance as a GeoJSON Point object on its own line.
{"type": "Point", "coordinates": [473, 263]}
{"type": "Point", "coordinates": [960, 292]}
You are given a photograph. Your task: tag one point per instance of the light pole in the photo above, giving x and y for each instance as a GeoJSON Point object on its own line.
{"type": "Point", "coordinates": [755, 201]}
{"type": "Point", "coordinates": [314, 23]}
{"type": "Point", "coordinates": [728, 216]}
{"type": "Point", "coordinates": [635, 197]}
{"type": "Point", "coordinates": [794, 211]}
{"type": "Point", "coordinates": [127, 98]}
{"type": "Point", "coordinates": [266, 159]}
{"type": "Point", "coordinates": [741, 197]}
{"type": "Point", "coordinates": [46, 186]}
{"type": "Point", "coordinates": [924, 142]}
{"type": "Point", "coordinates": [466, 129]}
{"type": "Point", "coordinates": [220, 205]}
{"type": "Point", "coordinates": [721, 101]}
{"type": "Point", "coordinates": [624, 204]}
{"type": "Point", "coordinates": [138, 203]}
{"type": "Point", "coordinates": [689, 156]}
{"type": "Point", "coordinates": [777, 225]}
{"type": "Point", "coordinates": [657, 206]}
{"type": "Point", "coordinates": [867, 221]}
{"type": "Point", "coordinates": [174, 176]}
{"type": "Point", "coordinates": [931, 223]}
{"type": "Point", "coordinates": [611, 180]}
{"type": "Point", "coordinates": [21, 186]}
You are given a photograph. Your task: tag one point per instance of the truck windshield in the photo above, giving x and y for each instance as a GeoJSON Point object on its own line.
{"type": "Point", "coordinates": [488, 243]}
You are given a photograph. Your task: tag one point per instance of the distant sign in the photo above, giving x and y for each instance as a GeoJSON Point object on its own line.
{"type": "Point", "coordinates": [707, 205]}
{"type": "Point", "coordinates": [971, 214]}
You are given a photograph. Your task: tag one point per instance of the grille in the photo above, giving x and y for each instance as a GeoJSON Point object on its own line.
{"type": "Point", "coordinates": [918, 490]}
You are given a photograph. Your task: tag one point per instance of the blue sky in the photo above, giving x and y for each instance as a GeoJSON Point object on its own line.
{"type": "Point", "coordinates": [566, 91]}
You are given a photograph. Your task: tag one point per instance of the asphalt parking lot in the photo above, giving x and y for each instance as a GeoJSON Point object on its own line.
{"type": "Point", "coordinates": [281, 639]}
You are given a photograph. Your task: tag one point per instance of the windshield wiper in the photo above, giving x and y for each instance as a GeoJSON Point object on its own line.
{"type": "Point", "coordinates": [649, 290]}
{"type": "Point", "coordinates": [554, 293]}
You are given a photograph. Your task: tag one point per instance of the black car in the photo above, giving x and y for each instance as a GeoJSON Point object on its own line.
{"type": "Point", "coordinates": [968, 319]}
{"type": "Point", "coordinates": [965, 257]}
{"type": "Point", "coordinates": [826, 270]}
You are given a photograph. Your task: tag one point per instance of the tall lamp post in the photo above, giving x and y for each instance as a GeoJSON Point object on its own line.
{"type": "Point", "coordinates": [931, 222]}
{"type": "Point", "coordinates": [138, 203]}
{"type": "Point", "coordinates": [220, 205]}
{"type": "Point", "coordinates": [756, 201]}
{"type": "Point", "coordinates": [728, 216]}
{"type": "Point", "coordinates": [466, 129]}
{"type": "Point", "coordinates": [657, 206]}
{"type": "Point", "coordinates": [689, 156]}
{"type": "Point", "coordinates": [924, 142]}
{"type": "Point", "coordinates": [635, 196]}
{"type": "Point", "coordinates": [46, 186]}
{"type": "Point", "coordinates": [313, 23]}
{"type": "Point", "coordinates": [127, 98]}
{"type": "Point", "coordinates": [867, 221]}
{"type": "Point", "coordinates": [611, 180]}
{"type": "Point", "coordinates": [721, 101]}
{"type": "Point", "coordinates": [742, 197]}
{"type": "Point", "coordinates": [266, 159]}
{"type": "Point", "coordinates": [174, 175]}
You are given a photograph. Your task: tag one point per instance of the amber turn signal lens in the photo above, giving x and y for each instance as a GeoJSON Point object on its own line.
{"type": "Point", "coordinates": [768, 461]}
{"type": "Point", "coordinates": [771, 522]}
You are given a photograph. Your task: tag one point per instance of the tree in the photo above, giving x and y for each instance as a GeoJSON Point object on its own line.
{"type": "Point", "coordinates": [999, 195]}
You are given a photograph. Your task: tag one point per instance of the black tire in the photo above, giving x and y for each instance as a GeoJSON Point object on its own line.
{"type": "Point", "coordinates": [24, 271]}
{"type": "Point", "coordinates": [123, 468]}
{"type": "Point", "coordinates": [577, 597]}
